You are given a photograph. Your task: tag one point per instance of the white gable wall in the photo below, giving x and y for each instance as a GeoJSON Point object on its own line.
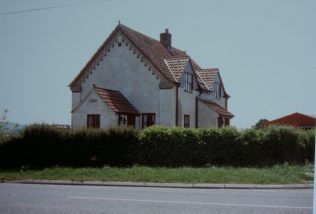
{"type": "Point", "coordinates": [98, 106]}
{"type": "Point", "coordinates": [76, 98]}
{"type": "Point", "coordinates": [121, 69]}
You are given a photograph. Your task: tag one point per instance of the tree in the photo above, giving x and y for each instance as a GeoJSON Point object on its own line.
{"type": "Point", "coordinates": [260, 124]}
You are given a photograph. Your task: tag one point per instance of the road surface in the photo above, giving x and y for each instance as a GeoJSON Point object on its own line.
{"type": "Point", "coordinates": [34, 198]}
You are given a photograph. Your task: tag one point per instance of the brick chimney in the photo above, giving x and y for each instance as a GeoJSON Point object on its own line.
{"type": "Point", "coordinates": [165, 39]}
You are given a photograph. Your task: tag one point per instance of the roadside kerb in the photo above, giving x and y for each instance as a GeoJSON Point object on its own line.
{"type": "Point", "coordinates": [165, 185]}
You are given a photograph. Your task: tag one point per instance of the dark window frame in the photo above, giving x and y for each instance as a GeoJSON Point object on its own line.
{"type": "Point", "coordinates": [227, 121]}
{"type": "Point", "coordinates": [218, 90]}
{"type": "Point", "coordinates": [93, 121]}
{"type": "Point", "coordinates": [220, 122]}
{"type": "Point", "coordinates": [186, 121]}
{"type": "Point", "coordinates": [126, 120]}
{"type": "Point", "coordinates": [188, 82]}
{"type": "Point", "coordinates": [147, 123]}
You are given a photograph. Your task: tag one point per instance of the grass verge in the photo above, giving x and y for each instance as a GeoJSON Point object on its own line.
{"type": "Point", "coordinates": [279, 174]}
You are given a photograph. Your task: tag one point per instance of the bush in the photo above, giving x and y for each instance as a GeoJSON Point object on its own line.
{"type": "Point", "coordinates": [162, 146]}
{"type": "Point", "coordinates": [45, 146]}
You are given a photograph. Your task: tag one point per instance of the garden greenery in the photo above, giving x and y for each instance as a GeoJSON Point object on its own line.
{"type": "Point", "coordinates": [45, 146]}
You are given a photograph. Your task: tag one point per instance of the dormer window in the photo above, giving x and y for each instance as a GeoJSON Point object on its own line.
{"type": "Point", "coordinates": [217, 90]}
{"type": "Point", "coordinates": [188, 82]}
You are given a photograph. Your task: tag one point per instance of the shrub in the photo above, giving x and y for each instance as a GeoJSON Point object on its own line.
{"type": "Point", "coordinates": [45, 146]}
{"type": "Point", "coordinates": [161, 146]}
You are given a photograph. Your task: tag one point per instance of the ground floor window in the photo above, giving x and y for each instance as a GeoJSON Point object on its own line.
{"type": "Point", "coordinates": [148, 119]}
{"type": "Point", "coordinates": [93, 121]}
{"type": "Point", "coordinates": [220, 122]}
{"type": "Point", "coordinates": [186, 121]}
{"type": "Point", "coordinates": [223, 121]}
{"type": "Point", "coordinates": [227, 121]}
{"type": "Point", "coordinates": [126, 120]}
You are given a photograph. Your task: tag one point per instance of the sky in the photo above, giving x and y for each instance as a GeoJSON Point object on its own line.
{"type": "Point", "coordinates": [265, 50]}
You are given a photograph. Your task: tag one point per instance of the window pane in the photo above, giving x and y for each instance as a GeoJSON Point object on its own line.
{"type": "Point", "coordinates": [122, 120]}
{"type": "Point", "coordinates": [93, 121]}
{"type": "Point", "coordinates": [188, 82]}
{"type": "Point", "coordinates": [186, 122]}
{"type": "Point", "coordinates": [148, 119]}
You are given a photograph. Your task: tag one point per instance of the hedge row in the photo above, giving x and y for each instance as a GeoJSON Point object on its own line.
{"type": "Point", "coordinates": [44, 146]}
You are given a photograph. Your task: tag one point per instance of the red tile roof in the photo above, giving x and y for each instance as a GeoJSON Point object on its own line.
{"type": "Point", "coordinates": [208, 76]}
{"type": "Point", "coordinates": [296, 120]}
{"type": "Point", "coordinates": [116, 101]}
{"type": "Point", "coordinates": [176, 66]}
{"type": "Point", "coordinates": [167, 62]}
{"type": "Point", "coordinates": [153, 50]}
{"type": "Point", "coordinates": [217, 108]}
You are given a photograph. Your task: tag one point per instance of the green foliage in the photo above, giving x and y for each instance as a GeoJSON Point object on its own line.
{"type": "Point", "coordinates": [45, 146]}
{"type": "Point", "coordinates": [261, 124]}
{"type": "Point", "coordinates": [161, 146]}
{"type": "Point", "coordinates": [278, 174]}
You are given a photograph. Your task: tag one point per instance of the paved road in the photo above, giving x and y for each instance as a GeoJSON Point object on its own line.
{"type": "Point", "coordinates": [31, 198]}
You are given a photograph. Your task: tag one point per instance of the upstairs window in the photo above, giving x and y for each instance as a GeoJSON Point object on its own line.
{"type": "Point", "coordinates": [148, 119]}
{"type": "Point", "coordinates": [93, 121]}
{"type": "Point", "coordinates": [188, 82]}
{"type": "Point", "coordinates": [217, 90]}
{"type": "Point", "coordinates": [186, 121]}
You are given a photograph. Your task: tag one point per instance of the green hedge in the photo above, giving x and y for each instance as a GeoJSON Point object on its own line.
{"type": "Point", "coordinates": [44, 146]}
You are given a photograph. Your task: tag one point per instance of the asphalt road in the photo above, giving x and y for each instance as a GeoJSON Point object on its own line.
{"type": "Point", "coordinates": [34, 198]}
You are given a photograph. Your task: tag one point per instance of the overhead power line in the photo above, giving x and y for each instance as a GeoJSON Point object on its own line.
{"type": "Point", "coordinates": [50, 7]}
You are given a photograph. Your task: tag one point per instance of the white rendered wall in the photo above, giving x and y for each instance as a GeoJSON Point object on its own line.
{"type": "Point", "coordinates": [108, 118]}
{"type": "Point", "coordinates": [75, 99]}
{"type": "Point", "coordinates": [207, 117]}
{"type": "Point", "coordinates": [186, 104]}
{"type": "Point", "coordinates": [124, 70]}
{"type": "Point", "coordinates": [167, 107]}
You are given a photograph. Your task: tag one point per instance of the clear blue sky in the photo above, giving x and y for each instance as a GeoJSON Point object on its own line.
{"type": "Point", "coordinates": [265, 50]}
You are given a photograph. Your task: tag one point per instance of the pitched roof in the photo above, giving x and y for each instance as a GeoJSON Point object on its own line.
{"type": "Point", "coordinates": [168, 62]}
{"type": "Point", "coordinates": [217, 108]}
{"type": "Point", "coordinates": [296, 120]}
{"type": "Point", "coordinates": [116, 101]}
{"type": "Point", "coordinates": [208, 76]}
{"type": "Point", "coordinates": [153, 49]}
{"type": "Point", "coordinates": [176, 66]}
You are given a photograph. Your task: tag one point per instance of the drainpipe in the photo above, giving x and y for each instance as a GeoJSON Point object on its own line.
{"type": "Point", "coordinates": [196, 112]}
{"type": "Point", "coordinates": [197, 109]}
{"type": "Point", "coordinates": [177, 103]}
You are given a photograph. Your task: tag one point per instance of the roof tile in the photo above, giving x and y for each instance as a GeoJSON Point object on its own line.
{"type": "Point", "coordinates": [217, 108]}
{"type": "Point", "coordinates": [170, 63]}
{"type": "Point", "coordinates": [116, 101]}
{"type": "Point", "coordinates": [176, 66]}
{"type": "Point", "coordinates": [153, 50]}
{"type": "Point", "coordinates": [296, 120]}
{"type": "Point", "coordinates": [208, 76]}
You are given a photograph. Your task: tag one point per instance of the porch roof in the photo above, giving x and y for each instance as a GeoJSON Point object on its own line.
{"type": "Point", "coordinates": [218, 109]}
{"type": "Point", "coordinates": [116, 101]}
